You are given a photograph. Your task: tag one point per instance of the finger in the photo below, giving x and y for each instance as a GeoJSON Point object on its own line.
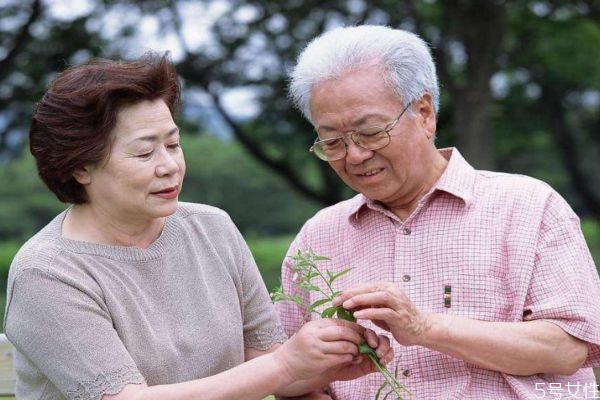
{"type": "Point", "coordinates": [359, 289]}
{"type": "Point", "coordinates": [384, 348]}
{"type": "Point", "coordinates": [381, 314]}
{"type": "Point", "coordinates": [339, 347]}
{"type": "Point", "coordinates": [375, 299]}
{"type": "Point", "coordinates": [371, 338]}
{"type": "Point", "coordinates": [340, 334]}
{"type": "Point", "coordinates": [341, 324]}
{"type": "Point", "coordinates": [388, 356]}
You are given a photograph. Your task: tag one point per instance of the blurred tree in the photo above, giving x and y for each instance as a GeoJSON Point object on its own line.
{"type": "Point", "coordinates": [519, 78]}
{"type": "Point", "coordinates": [219, 173]}
{"type": "Point", "coordinates": [222, 174]}
{"type": "Point", "coordinates": [27, 205]}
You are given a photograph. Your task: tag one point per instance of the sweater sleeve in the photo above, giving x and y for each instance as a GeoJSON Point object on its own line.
{"type": "Point", "coordinates": [262, 328]}
{"type": "Point", "coordinates": [62, 328]}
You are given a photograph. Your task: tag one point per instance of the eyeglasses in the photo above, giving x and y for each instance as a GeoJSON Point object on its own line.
{"type": "Point", "coordinates": [372, 138]}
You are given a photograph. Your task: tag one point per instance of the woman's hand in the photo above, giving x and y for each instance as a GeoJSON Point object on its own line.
{"type": "Point", "coordinates": [388, 307]}
{"type": "Point", "coordinates": [362, 364]}
{"type": "Point", "coordinates": [319, 346]}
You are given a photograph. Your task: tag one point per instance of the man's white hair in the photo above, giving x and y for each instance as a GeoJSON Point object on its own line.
{"type": "Point", "coordinates": [405, 58]}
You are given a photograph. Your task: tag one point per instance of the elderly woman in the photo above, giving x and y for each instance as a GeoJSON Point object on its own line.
{"type": "Point", "coordinates": [130, 294]}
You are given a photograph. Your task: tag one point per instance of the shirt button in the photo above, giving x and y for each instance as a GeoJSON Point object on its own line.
{"type": "Point", "coordinates": [406, 372]}
{"type": "Point", "coordinates": [406, 278]}
{"type": "Point", "coordinates": [406, 231]}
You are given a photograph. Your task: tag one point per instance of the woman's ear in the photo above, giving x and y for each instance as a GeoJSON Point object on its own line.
{"type": "Point", "coordinates": [426, 114]}
{"type": "Point", "coordinates": [82, 175]}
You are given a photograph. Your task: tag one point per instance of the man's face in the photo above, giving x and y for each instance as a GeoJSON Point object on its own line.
{"type": "Point", "coordinates": [397, 174]}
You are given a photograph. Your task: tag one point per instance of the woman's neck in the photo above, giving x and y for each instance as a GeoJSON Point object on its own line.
{"type": "Point", "coordinates": [84, 223]}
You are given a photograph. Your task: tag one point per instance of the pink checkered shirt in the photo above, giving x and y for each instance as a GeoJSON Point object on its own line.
{"type": "Point", "coordinates": [510, 248]}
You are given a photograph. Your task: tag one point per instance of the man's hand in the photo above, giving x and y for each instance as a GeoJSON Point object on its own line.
{"type": "Point", "coordinates": [388, 307]}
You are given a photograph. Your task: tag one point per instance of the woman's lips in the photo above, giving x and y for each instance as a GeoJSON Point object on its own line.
{"type": "Point", "coordinates": [169, 193]}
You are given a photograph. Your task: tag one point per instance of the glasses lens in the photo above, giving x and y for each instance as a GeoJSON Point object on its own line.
{"type": "Point", "coordinates": [329, 149]}
{"type": "Point", "coordinates": [371, 139]}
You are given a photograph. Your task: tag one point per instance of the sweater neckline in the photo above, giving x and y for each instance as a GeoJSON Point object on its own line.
{"type": "Point", "coordinates": [122, 253]}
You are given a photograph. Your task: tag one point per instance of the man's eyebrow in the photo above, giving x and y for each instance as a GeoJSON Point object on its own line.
{"type": "Point", "coordinates": [360, 121]}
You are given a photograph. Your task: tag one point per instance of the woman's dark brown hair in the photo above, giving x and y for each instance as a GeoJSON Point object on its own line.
{"type": "Point", "coordinates": [72, 122]}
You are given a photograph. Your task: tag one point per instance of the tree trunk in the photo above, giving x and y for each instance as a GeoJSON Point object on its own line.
{"type": "Point", "coordinates": [482, 39]}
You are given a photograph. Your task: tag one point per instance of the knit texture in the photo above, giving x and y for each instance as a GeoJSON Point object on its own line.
{"type": "Point", "coordinates": [86, 319]}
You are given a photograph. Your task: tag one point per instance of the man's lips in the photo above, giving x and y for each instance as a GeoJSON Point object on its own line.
{"type": "Point", "coordinates": [370, 172]}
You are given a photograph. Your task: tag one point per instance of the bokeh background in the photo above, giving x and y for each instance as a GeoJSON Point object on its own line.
{"type": "Point", "coordinates": [520, 93]}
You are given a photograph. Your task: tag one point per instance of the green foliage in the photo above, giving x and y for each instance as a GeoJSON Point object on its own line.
{"type": "Point", "coordinates": [591, 232]}
{"type": "Point", "coordinates": [305, 270]}
{"type": "Point", "coordinates": [218, 173]}
{"type": "Point", "coordinates": [573, 40]}
{"type": "Point", "coordinates": [7, 253]}
{"type": "Point", "coordinates": [269, 253]}
{"type": "Point", "coordinates": [259, 202]}
{"type": "Point", "coordinates": [27, 205]}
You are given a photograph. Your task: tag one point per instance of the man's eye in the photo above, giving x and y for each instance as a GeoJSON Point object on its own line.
{"type": "Point", "coordinates": [331, 143]}
{"type": "Point", "coordinates": [367, 133]}
{"type": "Point", "coordinates": [174, 146]}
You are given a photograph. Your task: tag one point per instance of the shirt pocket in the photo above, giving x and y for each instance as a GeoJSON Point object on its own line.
{"type": "Point", "coordinates": [480, 297]}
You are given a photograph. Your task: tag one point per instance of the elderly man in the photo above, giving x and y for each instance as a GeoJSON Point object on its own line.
{"type": "Point", "coordinates": [483, 279]}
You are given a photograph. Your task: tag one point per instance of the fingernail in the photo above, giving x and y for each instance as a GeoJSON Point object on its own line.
{"type": "Point", "coordinates": [357, 314]}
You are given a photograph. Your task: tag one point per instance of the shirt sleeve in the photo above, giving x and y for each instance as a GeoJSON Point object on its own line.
{"type": "Point", "coordinates": [63, 328]}
{"type": "Point", "coordinates": [565, 287]}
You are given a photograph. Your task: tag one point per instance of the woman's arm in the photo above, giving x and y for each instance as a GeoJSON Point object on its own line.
{"type": "Point", "coordinates": [321, 351]}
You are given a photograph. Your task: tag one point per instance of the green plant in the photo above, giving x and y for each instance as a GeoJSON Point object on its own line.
{"type": "Point", "coordinates": [305, 269]}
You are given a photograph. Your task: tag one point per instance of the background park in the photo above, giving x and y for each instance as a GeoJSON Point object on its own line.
{"type": "Point", "coordinates": [520, 93]}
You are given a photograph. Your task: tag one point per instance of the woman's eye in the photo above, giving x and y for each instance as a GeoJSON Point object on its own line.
{"type": "Point", "coordinates": [145, 155]}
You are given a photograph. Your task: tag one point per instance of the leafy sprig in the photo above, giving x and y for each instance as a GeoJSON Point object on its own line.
{"type": "Point", "coordinates": [305, 270]}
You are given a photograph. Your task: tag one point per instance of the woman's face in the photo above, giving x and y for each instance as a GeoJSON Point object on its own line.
{"type": "Point", "coordinates": [142, 177]}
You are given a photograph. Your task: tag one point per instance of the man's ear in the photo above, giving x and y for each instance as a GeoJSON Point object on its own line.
{"type": "Point", "coordinates": [82, 175]}
{"type": "Point", "coordinates": [426, 113]}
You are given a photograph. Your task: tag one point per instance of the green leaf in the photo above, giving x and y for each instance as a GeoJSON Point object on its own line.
{"type": "Point", "coordinates": [344, 272]}
{"type": "Point", "coordinates": [329, 312]}
{"type": "Point", "coordinates": [317, 303]}
{"type": "Point", "coordinates": [342, 313]}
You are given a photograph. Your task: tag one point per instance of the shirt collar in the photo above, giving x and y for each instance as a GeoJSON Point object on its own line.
{"type": "Point", "coordinates": [458, 179]}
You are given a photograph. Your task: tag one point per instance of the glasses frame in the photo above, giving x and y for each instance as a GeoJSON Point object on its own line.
{"type": "Point", "coordinates": [321, 155]}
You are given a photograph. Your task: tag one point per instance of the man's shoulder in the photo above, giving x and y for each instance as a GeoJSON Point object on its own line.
{"type": "Point", "coordinates": [516, 185]}
{"type": "Point", "coordinates": [519, 192]}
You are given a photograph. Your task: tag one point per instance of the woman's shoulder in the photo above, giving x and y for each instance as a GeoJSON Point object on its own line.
{"type": "Point", "coordinates": [187, 209]}
{"type": "Point", "coordinates": [204, 215]}
{"type": "Point", "coordinates": [39, 249]}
